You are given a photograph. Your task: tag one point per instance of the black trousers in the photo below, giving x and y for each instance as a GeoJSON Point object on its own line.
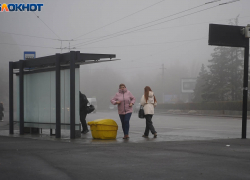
{"type": "Point", "coordinates": [149, 125]}
{"type": "Point", "coordinates": [83, 120]}
{"type": "Point", "coordinates": [1, 115]}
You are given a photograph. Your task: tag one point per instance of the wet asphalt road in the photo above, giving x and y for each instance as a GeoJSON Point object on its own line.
{"type": "Point", "coordinates": [169, 128]}
{"type": "Point", "coordinates": [187, 147]}
{"type": "Point", "coordinates": [182, 126]}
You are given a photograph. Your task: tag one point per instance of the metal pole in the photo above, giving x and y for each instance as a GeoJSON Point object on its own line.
{"type": "Point", "coordinates": [245, 91]}
{"type": "Point", "coordinates": [21, 97]}
{"type": "Point", "coordinates": [11, 122]}
{"type": "Point", "coordinates": [162, 83]}
{"type": "Point", "coordinates": [72, 95]}
{"type": "Point", "coordinates": [58, 97]}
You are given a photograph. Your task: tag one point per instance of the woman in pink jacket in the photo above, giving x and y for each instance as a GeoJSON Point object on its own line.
{"type": "Point", "coordinates": [125, 100]}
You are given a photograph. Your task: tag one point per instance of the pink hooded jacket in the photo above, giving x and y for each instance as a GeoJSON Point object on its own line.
{"type": "Point", "coordinates": [125, 97]}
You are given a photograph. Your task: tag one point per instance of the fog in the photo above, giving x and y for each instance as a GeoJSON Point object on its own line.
{"type": "Point", "coordinates": [156, 54]}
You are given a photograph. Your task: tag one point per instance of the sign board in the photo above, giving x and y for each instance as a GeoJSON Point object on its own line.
{"type": "Point", "coordinates": [226, 35]}
{"type": "Point", "coordinates": [29, 55]}
{"type": "Point", "coordinates": [170, 98]}
{"type": "Point", "coordinates": [188, 85]}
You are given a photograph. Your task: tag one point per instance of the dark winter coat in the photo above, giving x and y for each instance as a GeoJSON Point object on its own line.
{"type": "Point", "coordinates": [83, 102]}
{"type": "Point", "coordinates": [1, 111]}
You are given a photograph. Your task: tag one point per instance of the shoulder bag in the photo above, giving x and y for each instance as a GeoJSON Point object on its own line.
{"type": "Point", "coordinates": [90, 108]}
{"type": "Point", "coordinates": [141, 113]}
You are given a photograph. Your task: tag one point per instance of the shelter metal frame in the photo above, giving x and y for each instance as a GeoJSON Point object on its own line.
{"type": "Point", "coordinates": [70, 60]}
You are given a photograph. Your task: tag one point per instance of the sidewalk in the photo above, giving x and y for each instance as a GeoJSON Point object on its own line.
{"type": "Point", "coordinates": [201, 113]}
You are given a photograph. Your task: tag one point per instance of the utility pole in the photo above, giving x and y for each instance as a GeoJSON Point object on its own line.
{"type": "Point", "coordinates": [162, 82]}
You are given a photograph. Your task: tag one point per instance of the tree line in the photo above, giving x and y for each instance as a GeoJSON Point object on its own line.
{"type": "Point", "coordinates": [222, 79]}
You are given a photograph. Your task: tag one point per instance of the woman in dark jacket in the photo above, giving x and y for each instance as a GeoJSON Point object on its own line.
{"type": "Point", "coordinates": [83, 112]}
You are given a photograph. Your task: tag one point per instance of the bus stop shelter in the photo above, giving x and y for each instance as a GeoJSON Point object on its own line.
{"type": "Point", "coordinates": [47, 91]}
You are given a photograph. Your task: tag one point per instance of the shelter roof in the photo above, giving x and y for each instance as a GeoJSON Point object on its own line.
{"type": "Point", "coordinates": [49, 61]}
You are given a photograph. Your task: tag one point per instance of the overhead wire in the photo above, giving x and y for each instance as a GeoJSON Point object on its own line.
{"type": "Point", "coordinates": [139, 31]}
{"type": "Point", "coordinates": [61, 40]}
{"type": "Point", "coordinates": [47, 26]}
{"type": "Point", "coordinates": [150, 22]}
{"type": "Point", "coordinates": [146, 57]}
{"type": "Point", "coordinates": [136, 31]}
{"type": "Point", "coordinates": [44, 23]}
{"type": "Point", "coordinates": [107, 25]}
{"type": "Point", "coordinates": [133, 45]}
{"type": "Point", "coordinates": [158, 52]}
{"type": "Point", "coordinates": [120, 19]}
{"type": "Point", "coordinates": [28, 45]}
{"type": "Point", "coordinates": [189, 24]}
{"type": "Point", "coordinates": [29, 35]}
{"type": "Point", "coordinates": [117, 20]}
{"type": "Point", "coordinates": [17, 34]}
{"type": "Point", "coordinates": [147, 26]}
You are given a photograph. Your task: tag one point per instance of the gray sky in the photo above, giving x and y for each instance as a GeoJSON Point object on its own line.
{"type": "Point", "coordinates": [178, 40]}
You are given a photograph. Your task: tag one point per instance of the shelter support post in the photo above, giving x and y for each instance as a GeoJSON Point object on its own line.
{"type": "Point", "coordinates": [21, 97]}
{"type": "Point", "coordinates": [58, 97]}
{"type": "Point", "coordinates": [245, 91]}
{"type": "Point", "coordinates": [11, 102]}
{"type": "Point", "coordinates": [72, 94]}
